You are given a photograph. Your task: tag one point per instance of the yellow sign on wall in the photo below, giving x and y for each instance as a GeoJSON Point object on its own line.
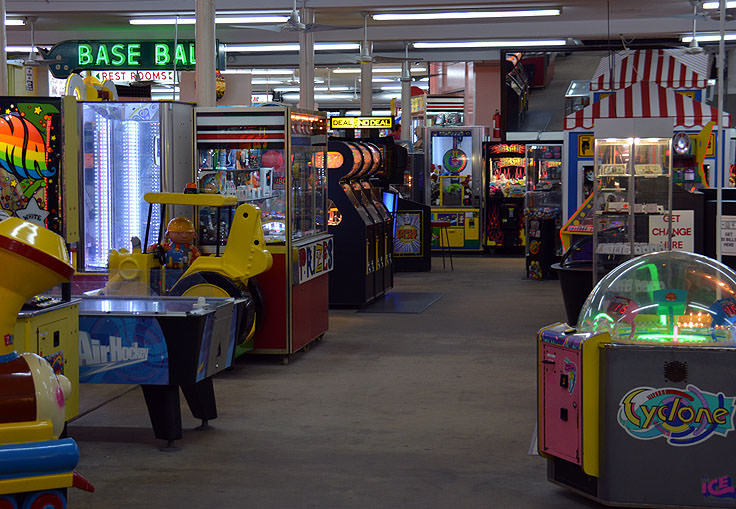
{"type": "Point", "coordinates": [361, 122]}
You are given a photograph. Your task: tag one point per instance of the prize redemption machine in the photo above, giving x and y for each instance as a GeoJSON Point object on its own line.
{"type": "Point", "coordinates": [637, 403]}
{"type": "Point", "coordinates": [269, 157]}
{"type": "Point", "coordinates": [543, 204]}
{"type": "Point", "coordinates": [128, 149]}
{"type": "Point", "coordinates": [505, 188]}
{"type": "Point", "coordinates": [360, 223]}
{"type": "Point", "coordinates": [455, 185]}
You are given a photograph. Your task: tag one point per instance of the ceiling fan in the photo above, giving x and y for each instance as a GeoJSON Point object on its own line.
{"type": "Point", "coordinates": [294, 24]}
{"type": "Point", "coordinates": [366, 53]}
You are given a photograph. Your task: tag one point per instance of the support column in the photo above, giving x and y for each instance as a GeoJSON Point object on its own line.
{"type": "Point", "coordinates": [306, 63]}
{"type": "Point", "coordinates": [406, 97]}
{"type": "Point", "coordinates": [205, 51]}
{"type": "Point", "coordinates": [366, 81]}
{"type": "Point", "coordinates": [3, 54]}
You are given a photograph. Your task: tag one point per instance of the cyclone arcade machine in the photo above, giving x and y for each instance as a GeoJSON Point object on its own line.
{"type": "Point", "coordinates": [362, 224]}
{"type": "Point", "coordinates": [636, 403]}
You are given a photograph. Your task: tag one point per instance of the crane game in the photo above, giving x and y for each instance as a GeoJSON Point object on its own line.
{"type": "Point", "coordinates": [636, 403]}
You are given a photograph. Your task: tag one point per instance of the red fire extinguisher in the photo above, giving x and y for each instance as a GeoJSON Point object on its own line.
{"type": "Point", "coordinates": [497, 125]}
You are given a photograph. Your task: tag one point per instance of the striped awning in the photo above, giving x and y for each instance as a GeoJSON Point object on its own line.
{"type": "Point", "coordinates": [670, 68]}
{"type": "Point", "coordinates": [445, 103]}
{"type": "Point", "coordinates": [646, 100]}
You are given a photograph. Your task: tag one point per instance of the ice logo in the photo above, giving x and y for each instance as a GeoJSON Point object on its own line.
{"type": "Point", "coordinates": [721, 487]}
{"type": "Point", "coordinates": [683, 418]}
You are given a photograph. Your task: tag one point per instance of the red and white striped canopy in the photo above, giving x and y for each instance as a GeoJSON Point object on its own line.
{"type": "Point", "coordinates": [671, 68]}
{"type": "Point", "coordinates": [646, 100]}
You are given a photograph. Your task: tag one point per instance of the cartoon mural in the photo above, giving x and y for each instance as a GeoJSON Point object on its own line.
{"type": "Point", "coordinates": [30, 160]}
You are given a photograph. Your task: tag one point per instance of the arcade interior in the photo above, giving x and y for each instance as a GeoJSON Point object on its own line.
{"type": "Point", "coordinates": [353, 254]}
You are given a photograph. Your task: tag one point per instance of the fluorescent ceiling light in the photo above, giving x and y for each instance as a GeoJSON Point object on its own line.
{"type": "Point", "coordinates": [355, 70]}
{"type": "Point", "coordinates": [716, 5]}
{"type": "Point", "coordinates": [288, 47]}
{"type": "Point", "coordinates": [391, 87]}
{"type": "Point", "coordinates": [14, 22]}
{"type": "Point", "coordinates": [220, 20]}
{"type": "Point", "coordinates": [357, 113]}
{"type": "Point", "coordinates": [488, 44]}
{"type": "Point", "coordinates": [337, 88]}
{"type": "Point", "coordinates": [324, 97]}
{"type": "Point", "coordinates": [709, 38]}
{"type": "Point", "coordinates": [259, 71]}
{"type": "Point", "coordinates": [267, 82]}
{"type": "Point", "coordinates": [408, 16]}
{"type": "Point", "coordinates": [22, 49]}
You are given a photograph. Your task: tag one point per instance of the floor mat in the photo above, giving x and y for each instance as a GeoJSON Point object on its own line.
{"type": "Point", "coordinates": [402, 302]}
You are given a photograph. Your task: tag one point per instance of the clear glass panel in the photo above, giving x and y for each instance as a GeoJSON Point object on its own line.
{"type": "Point", "coordinates": [451, 155]}
{"type": "Point", "coordinates": [668, 298]}
{"type": "Point", "coordinates": [121, 162]}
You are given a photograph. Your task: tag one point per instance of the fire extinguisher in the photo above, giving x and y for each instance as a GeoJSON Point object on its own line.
{"type": "Point", "coordinates": [497, 125]}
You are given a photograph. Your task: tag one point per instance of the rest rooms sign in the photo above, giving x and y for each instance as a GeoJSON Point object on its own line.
{"type": "Point", "coordinates": [74, 56]}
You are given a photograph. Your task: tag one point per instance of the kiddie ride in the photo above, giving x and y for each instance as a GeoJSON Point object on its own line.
{"type": "Point", "coordinates": [636, 404]}
{"type": "Point", "coordinates": [35, 468]}
{"type": "Point", "coordinates": [169, 319]}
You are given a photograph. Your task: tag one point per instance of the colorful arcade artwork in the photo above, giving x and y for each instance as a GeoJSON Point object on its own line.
{"type": "Point", "coordinates": [683, 417]}
{"type": "Point", "coordinates": [408, 239]}
{"type": "Point", "coordinates": [30, 160]}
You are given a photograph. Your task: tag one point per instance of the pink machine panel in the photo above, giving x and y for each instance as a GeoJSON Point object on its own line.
{"type": "Point", "coordinates": [560, 392]}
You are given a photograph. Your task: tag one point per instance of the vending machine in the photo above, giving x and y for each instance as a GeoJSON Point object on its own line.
{"type": "Point", "coordinates": [128, 149]}
{"type": "Point", "coordinates": [455, 173]}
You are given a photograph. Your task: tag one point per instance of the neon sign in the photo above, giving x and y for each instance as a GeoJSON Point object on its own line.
{"type": "Point", "coordinates": [73, 56]}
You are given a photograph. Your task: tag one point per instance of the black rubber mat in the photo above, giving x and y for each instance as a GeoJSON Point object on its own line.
{"type": "Point", "coordinates": [402, 302]}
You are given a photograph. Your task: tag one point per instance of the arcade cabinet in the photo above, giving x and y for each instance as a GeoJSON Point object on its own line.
{"type": "Point", "coordinates": [353, 279]}
{"type": "Point", "coordinates": [636, 404]}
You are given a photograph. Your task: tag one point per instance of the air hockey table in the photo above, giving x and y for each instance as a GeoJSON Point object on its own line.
{"type": "Point", "coordinates": [162, 344]}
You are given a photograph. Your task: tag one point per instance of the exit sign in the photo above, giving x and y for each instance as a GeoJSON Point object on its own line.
{"type": "Point", "coordinates": [72, 56]}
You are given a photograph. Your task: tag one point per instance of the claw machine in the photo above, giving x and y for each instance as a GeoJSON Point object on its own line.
{"type": "Point", "coordinates": [455, 191]}
{"type": "Point", "coordinates": [542, 209]}
{"type": "Point", "coordinates": [272, 157]}
{"type": "Point", "coordinates": [128, 149]}
{"type": "Point", "coordinates": [505, 189]}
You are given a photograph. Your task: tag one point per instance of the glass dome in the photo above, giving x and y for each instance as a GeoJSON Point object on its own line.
{"type": "Point", "coordinates": [669, 298]}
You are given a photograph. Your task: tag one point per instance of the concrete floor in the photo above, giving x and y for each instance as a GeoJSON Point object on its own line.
{"type": "Point", "coordinates": [390, 410]}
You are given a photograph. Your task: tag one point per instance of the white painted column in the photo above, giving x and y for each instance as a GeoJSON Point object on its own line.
{"type": "Point", "coordinates": [205, 51]}
{"type": "Point", "coordinates": [406, 99]}
{"type": "Point", "coordinates": [306, 63]}
{"type": "Point", "coordinates": [366, 84]}
{"type": "Point", "coordinates": [3, 54]}
{"type": "Point", "coordinates": [720, 159]}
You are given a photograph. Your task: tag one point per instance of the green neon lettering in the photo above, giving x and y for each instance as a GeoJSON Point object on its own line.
{"type": "Point", "coordinates": [161, 54]}
{"type": "Point", "coordinates": [84, 52]}
{"type": "Point", "coordinates": [192, 57]}
{"type": "Point", "coordinates": [134, 52]}
{"type": "Point", "coordinates": [118, 54]}
{"type": "Point", "coordinates": [181, 56]}
{"type": "Point", "coordinates": [102, 56]}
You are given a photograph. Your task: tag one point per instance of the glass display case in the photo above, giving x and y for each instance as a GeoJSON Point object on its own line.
{"type": "Point", "coordinates": [245, 157]}
{"type": "Point", "coordinates": [271, 157]}
{"type": "Point", "coordinates": [542, 208]}
{"type": "Point", "coordinates": [632, 199]}
{"type": "Point", "coordinates": [454, 160]}
{"type": "Point", "coordinates": [128, 149]}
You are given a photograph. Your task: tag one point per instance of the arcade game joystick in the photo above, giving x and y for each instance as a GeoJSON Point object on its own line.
{"type": "Point", "coordinates": [36, 468]}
